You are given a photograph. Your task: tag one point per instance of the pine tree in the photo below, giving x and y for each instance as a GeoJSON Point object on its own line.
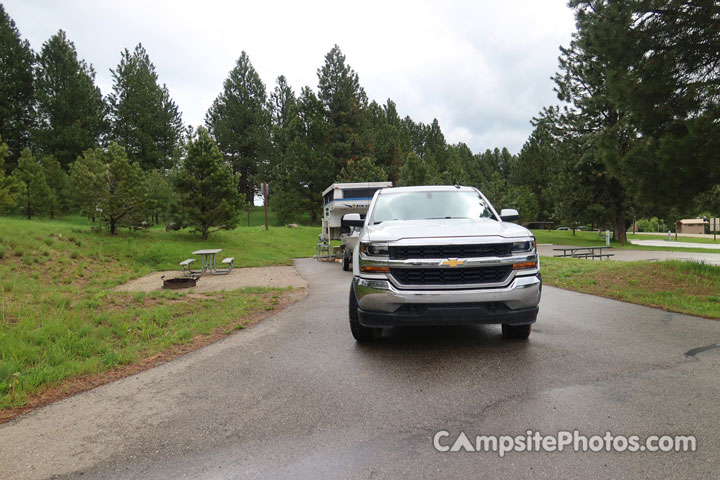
{"type": "Point", "coordinates": [144, 119]}
{"type": "Point", "coordinates": [110, 186]}
{"type": "Point", "coordinates": [207, 187]}
{"type": "Point", "coordinates": [35, 197]}
{"type": "Point", "coordinates": [240, 122]}
{"type": "Point", "coordinates": [282, 106]}
{"type": "Point", "coordinates": [9, 186]}
{"type": "Point", "coordinates": [538, 167]}
{"type": "Point", "coordinates": [16, 89]}
{"type": "Point", "coordinates": [389, 139]}
{"type": "Point", "coordinates": [362, 170]}
{"type": "Point", "coordinates": [345, 105]}
{"type": "Point", "coordinates": [70, 108]}
{"type": "Point", "coordinates": [596, 122]}
{"type": "Point", "coordinates": [59, 182]}
{"type": "Point", "coordinates": [670, 92]}
{"type": "Point", "coordinates": [312, 167]}
{"type": "Point", "coordinates": [160, 195]}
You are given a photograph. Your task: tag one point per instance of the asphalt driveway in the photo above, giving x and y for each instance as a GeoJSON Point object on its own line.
{"type": "Point", "coordinates": [296, 397]}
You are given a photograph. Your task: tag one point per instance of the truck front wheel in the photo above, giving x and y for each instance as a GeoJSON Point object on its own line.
{"type": "Point", "coordinates": [518, 332]}
{"type": "Point", "coordinates": [359, 332]}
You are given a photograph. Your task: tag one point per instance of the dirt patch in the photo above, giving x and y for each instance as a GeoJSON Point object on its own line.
{"type": "Point", "coordinates": [279, 276]}
{"type": "Point", "coordinates": [84, 383]}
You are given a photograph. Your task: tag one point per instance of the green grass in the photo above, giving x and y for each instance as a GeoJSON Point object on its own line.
{"type": "Point", "coordinates": [677, 286]}
{"type": "Point", "coordinates": [586, 239]}
{"type": "Point", "coordinates": [60, 318]}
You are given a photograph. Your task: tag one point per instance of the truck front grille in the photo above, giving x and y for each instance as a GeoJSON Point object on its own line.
{"type": "Point", "coordinates": [451, 276]}
{"type": "Point", "coordinates": [398, 252]}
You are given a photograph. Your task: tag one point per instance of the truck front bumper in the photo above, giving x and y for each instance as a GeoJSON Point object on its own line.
{"type": "Point", "coordinates": [381, 304]}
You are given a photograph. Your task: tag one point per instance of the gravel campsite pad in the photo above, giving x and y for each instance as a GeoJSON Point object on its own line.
{"type": "Point", "coordinates": [279, 276]}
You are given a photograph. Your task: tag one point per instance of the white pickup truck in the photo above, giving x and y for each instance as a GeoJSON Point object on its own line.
{"type": "Point", "coordinates": [441, 255]}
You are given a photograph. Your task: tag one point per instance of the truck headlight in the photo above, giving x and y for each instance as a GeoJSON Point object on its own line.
{"type": "Point", "coordinates": [374, 249]}
{"type": "Point", "coordinates": [374, 257]}
{"type": "Point", "coordinates": [523, 247]}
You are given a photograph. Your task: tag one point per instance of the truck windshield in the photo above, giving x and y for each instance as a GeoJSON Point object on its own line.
{"type": "Point", "coordinates": [430, 205]}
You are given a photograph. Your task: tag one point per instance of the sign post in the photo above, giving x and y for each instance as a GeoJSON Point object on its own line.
{"type": "Point", "coordinates": [266, 191]}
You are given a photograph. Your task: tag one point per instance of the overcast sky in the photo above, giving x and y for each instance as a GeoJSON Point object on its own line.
{"type": "Point", "coordinates": [482, 68]}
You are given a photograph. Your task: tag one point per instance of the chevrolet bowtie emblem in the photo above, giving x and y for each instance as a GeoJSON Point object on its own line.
{"type": "Point", "coordinates": [452, 262]}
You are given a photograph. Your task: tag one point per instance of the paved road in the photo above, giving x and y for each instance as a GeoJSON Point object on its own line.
{"type": "Point", "coordinates": [674, 244]}
{"type": "Point", "coordinates": [296, 397]}
{"type": "Point", "coordinates": [650, 255]}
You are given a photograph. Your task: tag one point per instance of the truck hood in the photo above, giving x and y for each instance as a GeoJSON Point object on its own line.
{"type": "Point", "coordinates": [398, 230]}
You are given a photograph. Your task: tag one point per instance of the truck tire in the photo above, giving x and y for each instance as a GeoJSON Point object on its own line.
{"type": "Point", "coordinates": [346, 263]}
{"type": "Point", "coordinates": [517, 332]}
{"type": "Point", "coordinates": [359, 332]}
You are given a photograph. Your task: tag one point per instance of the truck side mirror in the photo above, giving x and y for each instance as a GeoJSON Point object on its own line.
{"type": "Point", "coordinates": [352, 220]}
{"type": "Point", "coordinates": [509, 215]}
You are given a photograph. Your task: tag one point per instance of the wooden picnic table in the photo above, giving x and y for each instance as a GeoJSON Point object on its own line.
{"type": "Point", "coordinates": [584, 252]}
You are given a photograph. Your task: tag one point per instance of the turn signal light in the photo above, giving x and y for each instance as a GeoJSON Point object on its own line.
{"type": "Point", "coordinates": [517, 266]}
{"type": "Point", "coordinates": [374, 269]}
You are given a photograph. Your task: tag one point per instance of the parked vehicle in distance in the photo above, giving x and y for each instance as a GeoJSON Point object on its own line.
{"type": "Point", "coordinates": [563, 228]}
{"type": "Point", "coordinates": [441, 255]}
{"type": "Point", "coordinates": [341, 199]}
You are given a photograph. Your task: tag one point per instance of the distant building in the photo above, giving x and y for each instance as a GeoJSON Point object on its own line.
{"type": "Point", "coordinates": [690, 225]}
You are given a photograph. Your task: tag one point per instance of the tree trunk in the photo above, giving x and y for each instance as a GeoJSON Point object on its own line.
{"type": "Point", "coordinates": [619, 227]}
{"type": "Point", "coordinates": [112, 226]}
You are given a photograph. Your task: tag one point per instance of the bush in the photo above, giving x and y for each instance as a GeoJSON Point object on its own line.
{"type": "Point", "coordinates": [647, 225]}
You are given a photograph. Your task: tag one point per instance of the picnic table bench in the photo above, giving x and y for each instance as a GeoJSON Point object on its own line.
{"type": "Point", "coordinates": [583, 252]}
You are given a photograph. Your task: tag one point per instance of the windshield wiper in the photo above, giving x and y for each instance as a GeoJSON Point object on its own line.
{"type": "Point", "coordinates": [443, 218]}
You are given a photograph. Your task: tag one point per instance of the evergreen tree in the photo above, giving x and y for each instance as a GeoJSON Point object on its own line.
{"type": "Point", "coordinates": [9, 186]}
{"type": "Point", "coordinates": [59, 182]}
{"type": "Point", "coordinates": [110, 186]}
{"type": "Point", "coordinates": [458, 165]}
{"type": "Point", "coordinates": [389, 139]}
{"type": "Point", "coordinates": [160, 195]}
{"type": "Point", "coordinates": [362, 170]}
{"type": "Point", "coordinates": [207, 187]}
{"type": "Point", "coordinates": [144, 119]}
{"type": "Point", "coordinates": [414, 171]}
{"type": "Point", "coordinates": [35, 197]}
{"type": "Point", "coordinates": [538, 168]}
{"type": "Point", "coordinates": [310, 168]}
{"type": "Point", "coordinates": [240, 122]}
{"type": "Point", "coordinates": [16, 89]}
{"type": "Point", "coordinates": [599, 125]}
{"type": "Point", "coordinates": [345, 104]}
{"type": "Point", "coordinates": [670, 92]}
{"type": "Point", "coordinates": [282, 106]}
{"type": "Point", "coordinates": [70, 108]}
{"type": "Point", "coordinates": [87, 180]}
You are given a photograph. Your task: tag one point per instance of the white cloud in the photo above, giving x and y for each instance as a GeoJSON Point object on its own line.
{"type": "Point", "coordinates": [481, 68]}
